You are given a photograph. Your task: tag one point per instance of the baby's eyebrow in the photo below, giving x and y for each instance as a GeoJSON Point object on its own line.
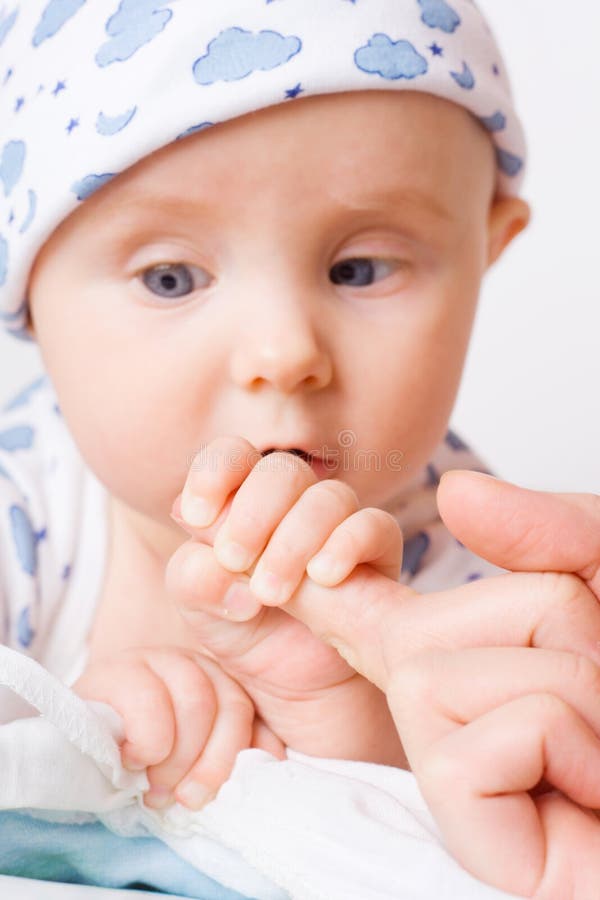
{"type": "Point", "coordinates": [400, 198]}
{"type": "Point", "coordinates": [134, 208]}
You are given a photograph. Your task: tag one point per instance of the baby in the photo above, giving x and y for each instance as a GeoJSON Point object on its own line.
{"type": "Point", "coordinates": [249, 240]}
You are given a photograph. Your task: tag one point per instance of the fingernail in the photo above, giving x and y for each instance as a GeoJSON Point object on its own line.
{"type": "Point", "coordinates": [233, 556]}
{"type": "Point", "coordinates": [197, 511]}
{"type": "Point", "coordinates": [158, 798]}
{"type": "Point", "coordinates": [324, 566]}
{"type": "Point", "coordinates": [193, 794]}
{"type": "Point", "coordinates": [239, 604]}
{"type": "Point", "coordinates": [268, 587]}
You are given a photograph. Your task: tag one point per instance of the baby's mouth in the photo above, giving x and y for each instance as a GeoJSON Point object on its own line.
{"type": "Point", "coordinates": [307, 457]}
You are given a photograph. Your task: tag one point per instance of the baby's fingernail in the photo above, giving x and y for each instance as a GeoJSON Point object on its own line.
{"type": "Point", "coordinates": [324, 567]}
{"type": "Point", "coordinates": [158, 798]}
{"type": "Point", "coordinates": [268, 587]}
{"type": "Point", "coordinates": [233, 556]}
{"type": "Point", "coordinates": [239, 604]}
{"type": "Point", "coordinates": [197, 511]}
{"type": "Point", "coordinates": [194, 795]}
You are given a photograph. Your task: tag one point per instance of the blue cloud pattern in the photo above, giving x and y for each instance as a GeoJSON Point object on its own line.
{"type": "Point", "coordinates": [438, 14]}
{"type": "Point", "coordinates": [30, 216]}
{"type": "Point", "coordinates": [54, 17]}
{"type": "Point", "coordinates": [236, 53]}
{"type": "Point", "coordinates": [7, 23]}
{"type": "Point", "coordinates": [25, 631]}
{"type": "Point", "coordinates": [390, 59]}
{"type": "Point", "coordinates": [109, 125]}
{"type": "Point", "coordinates": [193, 129]}
{"type": "Point", "coordinates": [22, 398]}
{"type": "Point", "coordinates": [453, 441]}
{"type": "Point", "coordinates": [135, 23]}
{"type": "Point", "coordinates": [11, 165]}
{"type": "Point", "coordinates": [464, 79]}
{"type": "Point", "coordinates": [497, 122]}
{"type": "Point", "coordinates": [415, 549]}
{"type": "Point", "coordinates": [18, 438]}
{"type": "Point", "coordinates": [25, 538]}
{"type": "Point", "coordinates": [508, 162]}
{"type": "Point", "coordinates": [86, 186]}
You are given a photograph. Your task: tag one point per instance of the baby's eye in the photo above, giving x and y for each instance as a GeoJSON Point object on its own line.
{"type": "Point", "coordinates": [360, 272]}
{"type": "Point", "coordinates": [174, 279]}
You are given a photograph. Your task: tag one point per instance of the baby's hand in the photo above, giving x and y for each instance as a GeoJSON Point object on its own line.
{"type": "Point", "coordinates": [284, 521]}
{"type": "Point", "coordinates": [277, 512]}
{"type": "Point", "coordinates": [506, 768]}
{"type": "Point", "coordinates": [185, 720]}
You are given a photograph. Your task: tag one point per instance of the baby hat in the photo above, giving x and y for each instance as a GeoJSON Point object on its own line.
{"type": "Point", "coordinates": [90, 87]}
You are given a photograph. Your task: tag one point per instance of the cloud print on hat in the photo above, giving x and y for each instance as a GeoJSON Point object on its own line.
{"type": "Point", "coordinates": [11, 164]}
{"type": "Point", "coordinates": [437, 14]}
{"type": "Point", "coordinates": [464, 79]}
{"type": "Point", "coordinates": [236, 53]}
{"type": "Point", "coordinates": [109, 125]}
{"type": "Point", "coordinates": [135, 23]}
{"type": "Point", "coordinates": [390, 59]}
{"type": "Point", "coordinates": [54, 17]}
{"type": "Point", "coordinates": [86, 186]}
{"type": "Point", "coordinates": [6, 23]}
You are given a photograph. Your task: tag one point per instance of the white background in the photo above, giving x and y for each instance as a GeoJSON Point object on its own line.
{"type": "Point", "coordinates": [528, 400]}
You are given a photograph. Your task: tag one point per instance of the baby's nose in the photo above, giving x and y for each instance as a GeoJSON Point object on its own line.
{"type": "Point", "coordinates": [284, 351]}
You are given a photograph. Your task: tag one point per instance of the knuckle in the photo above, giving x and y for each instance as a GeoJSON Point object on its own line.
{"type": "Point", "coordinates": [416, 678]}
{"type": "Point", "coordinates": [337, 490]}
{"type": "Point", "coordinates": [562, 588]}
{"type": "Point", "coordinates": [439, 768]}
{"type": "Point", "coordinates": [380, 519]}
{"type": "Point", "coordinates": [551, 710]}
{"type": "Point", "coordinates": [585, 673]}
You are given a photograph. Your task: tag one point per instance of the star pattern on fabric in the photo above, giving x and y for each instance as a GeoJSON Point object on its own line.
{"type": "Point", "coordinates": [19, 103]}
{"type": "Point", "coordinates": [74, 123]}
{"type": "Point", "coordinates": [60, 86]}
{"type": "Point", "coordinates": [436, 49]}
{"type": "Point", "coordinates": [293, 92]}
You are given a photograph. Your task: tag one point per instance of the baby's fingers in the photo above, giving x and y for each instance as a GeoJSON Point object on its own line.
{"type": "Point", "coordinates": [232, 731]}
{"type": "Point", "coordinates": [216, 471]}
{"type": "Point", "coordinates": [195, 705]}
{"type": "Point", "coordinates": [369, 535]}
{"type": "Point", "coordinates": [143, 702]}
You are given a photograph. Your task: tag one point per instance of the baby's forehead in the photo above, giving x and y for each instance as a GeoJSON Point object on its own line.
{"type": "Point", "coordinates": [361, 146]}
{"type": "Point", "coordinates": [91, 89]}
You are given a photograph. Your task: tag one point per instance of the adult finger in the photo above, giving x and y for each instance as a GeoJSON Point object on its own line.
{"type": "Point", "coordinates": [521, 529]}
{"type": "Point", "coordinates": [375, 623]}
{"type": "Point", "coordinates": [481, 774]}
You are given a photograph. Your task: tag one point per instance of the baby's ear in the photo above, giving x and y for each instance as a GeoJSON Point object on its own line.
{"type": "Point", "coordinates": [508, 217]}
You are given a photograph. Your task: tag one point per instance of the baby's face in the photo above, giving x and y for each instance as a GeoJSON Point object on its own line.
{"type": "Point", "coordinates": [304, 276]}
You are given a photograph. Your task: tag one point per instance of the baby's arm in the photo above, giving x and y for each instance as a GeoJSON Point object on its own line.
{"type": "Point", "coordinates": [185, 720]}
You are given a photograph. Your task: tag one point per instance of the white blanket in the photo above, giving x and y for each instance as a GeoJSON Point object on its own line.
{"type": "Point", "coordinates": [302, 828]}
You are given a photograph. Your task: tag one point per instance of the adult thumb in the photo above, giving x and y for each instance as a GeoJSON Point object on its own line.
{"type": "Point", "coordinates": [521, 529]}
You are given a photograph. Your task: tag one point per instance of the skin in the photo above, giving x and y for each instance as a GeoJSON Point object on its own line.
{"type": "Point", "coordinates": [267, 347]}
{"type": "Point", "coordinates": [510, 770]}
